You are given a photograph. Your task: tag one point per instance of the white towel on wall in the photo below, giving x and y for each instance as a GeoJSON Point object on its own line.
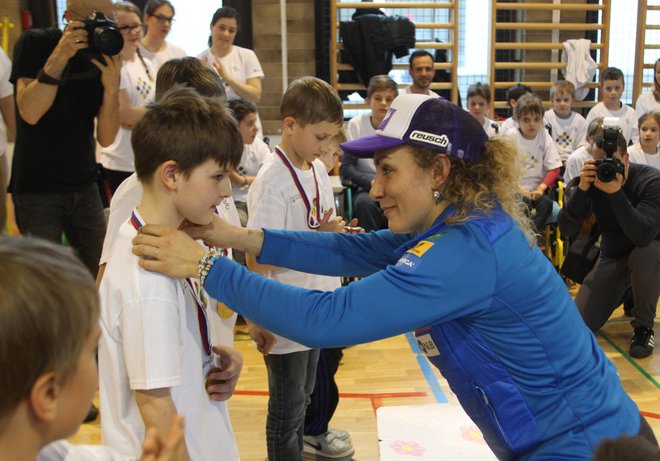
{"type": "Point", "coordinates": [580, 67]}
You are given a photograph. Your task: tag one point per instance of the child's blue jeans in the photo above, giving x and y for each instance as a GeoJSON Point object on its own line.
{"type": "Point", "coordinates": [291, 380]}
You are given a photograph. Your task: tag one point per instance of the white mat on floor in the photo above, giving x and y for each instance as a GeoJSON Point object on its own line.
{"type": "Point", "coordinates": [438, 432]}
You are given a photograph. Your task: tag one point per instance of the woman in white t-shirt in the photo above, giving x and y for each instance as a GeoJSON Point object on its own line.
{"type": "Point", "coordinates": [650, 101]}
{"type": "Point", "coordinates": [646, 150]}
{"type": "Point", "coordinates": [136, 89]}
{"type": "Point", "coordinates": [159, 17]}
{"type": "Point", "coordinates": [238, 67]}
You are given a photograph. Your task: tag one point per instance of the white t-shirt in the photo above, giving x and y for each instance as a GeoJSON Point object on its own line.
{"type": "Point", "coordinates": [637, 155]}
{"type": "Point", "coordinates": [574, 163]}
{"type": "Point", "coordinates": [359, 127]}
{"type": "Point", "coordinates": [139, 83]}
{"type": "Point", "coordinates": [408, 90]}
{"type": "Point", "coordinates": [646, 103]}
{"type": "Point", "coordinates": [253, 157]}
{"type": "Point", "coordinates": [275, 202]}
{"type": "Point", "coordinates": [508, 124]}
{"type": "Point", "coordinates": [151, 339]}
{"type": "Point", "coordinates": [242, 63]}
{"type": "Point", "coordinates": [567, 133]}
{"type": "Point", "coordinates": [539, 156]}
{"type": "Point", "coordinates": [158, 58]}
{"type": "Point", "coordinates": [6, 89]}
{"type": "Point", "coordinates": [627, 119]}
{"type": "Point", "coordinates": [62, 450]}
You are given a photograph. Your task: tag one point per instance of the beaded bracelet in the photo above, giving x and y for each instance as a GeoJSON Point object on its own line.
{"type": "Point", "coordinates": [206, 263]}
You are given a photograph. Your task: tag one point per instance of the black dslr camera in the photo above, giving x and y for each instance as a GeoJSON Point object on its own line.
{"type": "Point", "coordinates": [102, 36]}
{"type": "Point", "coordinates": [609, 166]}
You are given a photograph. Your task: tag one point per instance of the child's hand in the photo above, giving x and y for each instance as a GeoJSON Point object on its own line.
{"type": "Point", "coordinates": [173, 448]}
{"type": "Point", "coordinates": [221, 382]}
{"type": "Point", "coordinates": [264, 339]}
{"type": "Point", "coordinates": [331, 225]}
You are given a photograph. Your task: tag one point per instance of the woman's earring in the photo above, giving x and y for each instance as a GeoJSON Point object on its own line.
{"type": "Point", "coordinates": [437, 196]}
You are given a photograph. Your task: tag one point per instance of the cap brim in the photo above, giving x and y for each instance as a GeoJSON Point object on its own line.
{"type": "Point", "coordinates": [365, 147]}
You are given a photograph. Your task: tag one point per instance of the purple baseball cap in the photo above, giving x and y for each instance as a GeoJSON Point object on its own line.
{"type": "Point", "coordinates": [424, 121]}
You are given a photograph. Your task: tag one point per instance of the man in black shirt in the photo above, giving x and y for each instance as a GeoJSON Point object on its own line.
{"type": "Point", "coordinates": [627, 211]}
{"type": "Point", "coordinates": [59, 92]}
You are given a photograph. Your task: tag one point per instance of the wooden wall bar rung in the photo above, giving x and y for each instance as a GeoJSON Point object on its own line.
{"type": "Point", "coordinates": [429, 25]}
{"type": "Point", "coordinates": [548, 6]}
{"type": "Point", "coordinates": [537, 46]}
{"type": "Point", "coordinates": [548, 104]}
{"type": "Point", "coordinates": [421, 45]}
{"type": "Point", "coordinates": [437, 65]}
{"type": "Point", "coordinates": [362, 5]}
{"type": "Point", "coordinates": [536, 85]}
{"type": "Point", "coordinates": [547, 26]}
{"type": "Point", "coordinates": [530, 65]}
{"type": "Point", "coordinates": [358, 86]}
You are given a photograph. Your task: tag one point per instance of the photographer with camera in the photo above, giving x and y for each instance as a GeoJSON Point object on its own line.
{"type": "Point", "coordinates": [625, 198]}
{"type": "Point", "coordinates": [64, 80]}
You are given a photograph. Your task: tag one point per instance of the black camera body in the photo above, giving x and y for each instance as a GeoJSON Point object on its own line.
{"type": "Point", "coordinates": [609, 166]}
{"type": "Point", "coordinates": [103, 36]}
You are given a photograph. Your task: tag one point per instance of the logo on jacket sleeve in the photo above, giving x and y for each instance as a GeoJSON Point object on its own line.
{"type": "Point", "coordinates": [421, 248]}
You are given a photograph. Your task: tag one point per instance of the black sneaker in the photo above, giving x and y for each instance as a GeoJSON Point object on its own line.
{"type": "Point", "coordinates": [92, 414]}
{"type": "Point", "coordinates": [641, 344]}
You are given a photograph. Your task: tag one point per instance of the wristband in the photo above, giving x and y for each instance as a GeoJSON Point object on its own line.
{"type": "Point", "coordinates": [43, 77]}
{"type": "Point", "coordinates": [206, 263]}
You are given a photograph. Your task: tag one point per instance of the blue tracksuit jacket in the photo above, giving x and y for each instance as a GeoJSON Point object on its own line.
{"type": "Point", "coordinates": [490, 311]}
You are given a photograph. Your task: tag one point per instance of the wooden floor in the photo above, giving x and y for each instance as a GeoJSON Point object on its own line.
{"type": "Point", "coordinates": [388, 373]}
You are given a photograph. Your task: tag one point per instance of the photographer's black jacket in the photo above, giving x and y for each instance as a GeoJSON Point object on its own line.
{"type": "Point", "coordinates": [57, 154]}
{"type": "Point", "coordinates": [628, 218]}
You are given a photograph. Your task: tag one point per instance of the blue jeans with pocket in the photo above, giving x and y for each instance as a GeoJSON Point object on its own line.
{"type": "Point", "coordinates": [79, 215]}
{"type": "Point", "coordinates": [291, 380]}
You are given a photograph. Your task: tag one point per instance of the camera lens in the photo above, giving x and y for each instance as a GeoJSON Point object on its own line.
{"type": "Point", "coordinates": [108, 40]}
{"type": "Point", "coordinates": [606, 172]}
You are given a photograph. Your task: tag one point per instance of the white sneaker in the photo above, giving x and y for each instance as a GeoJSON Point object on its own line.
{"type": "Point", "coordinates": [341, 435]}
{"type": "Point", "coordinates": [327, 445]}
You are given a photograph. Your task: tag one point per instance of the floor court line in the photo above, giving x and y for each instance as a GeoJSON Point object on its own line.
{"type": "Point", "coordinates": [423, 362]}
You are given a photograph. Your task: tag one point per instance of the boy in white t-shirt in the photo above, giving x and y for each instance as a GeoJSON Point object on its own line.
{"type": "Point", "coordinates": [156, 354]}
{"type": "Point", "coordinates": [568, 128]}
{"type": "Point", "coordinates": [646, 150]}
{"type": "Point", "coordinates": [612, 85]}
{"type": "Point", "coordinates": [540, 157]}
{"type": "Point", "coordinates": [49, 330]}
{"type": "Point", "coordinates": [512, 95]}
{"type": "Point", "coordinates": [293, 191]}
{"type": "Point", "coordinates": [361, 172]}
{"type": "Point", "coordinates": [478, 104]}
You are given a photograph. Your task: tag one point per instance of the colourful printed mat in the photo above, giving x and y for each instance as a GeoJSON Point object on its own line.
{"type": "Point", "coordinates": [438, 432]}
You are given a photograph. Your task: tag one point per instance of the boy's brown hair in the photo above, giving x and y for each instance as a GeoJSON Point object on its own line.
{"type": "Point", "coordinates": [381, 83]}
{"type": "Point", "coordinates": [612, 73]}
{"type": "Point", "coordinates": [528, 104]}
{"type": "Point", "coordinates": [479, 89]}
{"type": "Point", "coordinates": [562, 86]}
{"type": "Point", "coordinates": [187, 128]}
{"type": "Point", "coordinates": [48, 309]}
{"type": "Point", "coordinates": [311, 100]}
{"type": "Point", "coordinates": [191, 72]}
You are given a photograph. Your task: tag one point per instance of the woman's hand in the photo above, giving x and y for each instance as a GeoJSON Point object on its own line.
{"type": "Point", "coordinates": [168, 251]}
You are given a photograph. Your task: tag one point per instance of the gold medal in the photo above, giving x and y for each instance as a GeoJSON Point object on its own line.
{"type": "Point", "coordinates": [224, 312]}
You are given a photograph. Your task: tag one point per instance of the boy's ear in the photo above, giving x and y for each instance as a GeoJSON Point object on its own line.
{"type": "Point", "coordinates": [289, 124]}
{"type": "Point", "coordinates": [169, 173]}
{"type": "Point", "coordinates": [43, 397]}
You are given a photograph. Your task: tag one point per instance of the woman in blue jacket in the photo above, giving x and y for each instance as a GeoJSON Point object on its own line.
{"type": "Point", "coordinates": [457, 265]}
